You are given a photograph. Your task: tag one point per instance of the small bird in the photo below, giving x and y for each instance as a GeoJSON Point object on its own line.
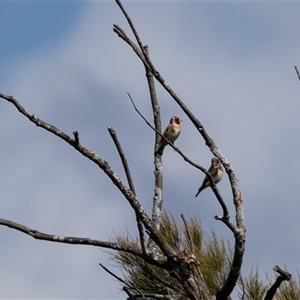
{"type": "Point", "coordinates": [171, 133]}
{"type": "Point", "coordinates": [216, 172]}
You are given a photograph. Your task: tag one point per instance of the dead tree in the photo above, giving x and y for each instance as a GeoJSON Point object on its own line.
{"type": "Point", "coordinates": [153, 249]}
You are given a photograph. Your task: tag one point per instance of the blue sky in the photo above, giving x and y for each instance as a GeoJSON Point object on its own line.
{"type": "Point", "coordinates": [233, 65]}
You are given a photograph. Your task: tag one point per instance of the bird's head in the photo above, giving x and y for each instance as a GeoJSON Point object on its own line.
{"type": "Point", "coordinates": [215, 161]}
{"type": "Point", "coordinates": [175, 120]}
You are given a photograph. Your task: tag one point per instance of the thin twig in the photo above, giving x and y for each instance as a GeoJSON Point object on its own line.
{"type": "Point", "coordinates": [136, 35]}
{"type": "Point", "coordinates": [119, 279]}
{"type": "Point", "coordinates": [126, 284]}
{"type": "Point", "coordinates": [188, 233]}
{"type": "Point", "coordinates": [243, 287]}
{"type": "Point", "coordinates": [161, 135]}
{"type": "Point", "coordinates": [38, 122]}
{"type": "Point", "coordinates": [120, 32]}
{"type": "Point", "coordinates": [76, 138]}
{"type": "Point", "coordinates": [114, 136]}
{"type": "Point", "coordinates": [113, 274]}
{"type": "Point", "coordinates": [298, 74]}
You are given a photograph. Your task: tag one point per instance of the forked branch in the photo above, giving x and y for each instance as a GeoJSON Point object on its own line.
{"type": "Point", "coordinates": [225, 217]}
{"type": "Point", "coordinates": [283, 276]}
{"type": "Point", "coordinates": [238, 229]}
{"type": "Point", "coordinates": [103, 165]}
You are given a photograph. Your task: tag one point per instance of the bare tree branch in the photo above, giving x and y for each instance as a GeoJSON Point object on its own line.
{"type": "Point", "coordinates": [141, 296]}
{"type": "Point", "coordinates": [118, 278]}
{"type": "Point", "coordinates": [238, 230]}
{"type": "Point", "coordinates": [283, 276]}
{"type": "Point", "coordinates": [188, 233]}
{"type": "Point", "coordinates": [119, 31]}
{"type": "Point", "coordinates": [158, 172]}
{"type": "Point", "coordinates": [139, 41]}
{"type": "Point", "coordinates": [33, 118]}
{"type": "Point", "coordinates": [209, 142]}
{"type": "Point", "coordinates": [114, 136]}
{"type": "Point", "coordinates": [70, 240]}
{"type": "Point", "coordinates": [126, 191]}
{"type": "Point", "coordinates": [129, 288]}
{"type": "Point", "coordinates": [225, 217]}
{"type": "Point", "coordinates": [286, 275]}
{"type": "Point", "coordinates": [145, 59]}
{"type": "Point", "coordinates": [76, 138]}
{"type": "Point", "coordinates": [159, 261]}
{"type": "Point", "coordinates": [169, 143]}
{"type": "Point", "coordinates": [298, 74]}
{"type": "Point", "coordinates": [181, 265]}
{"type": "Point", "coordinates": [157, 200]}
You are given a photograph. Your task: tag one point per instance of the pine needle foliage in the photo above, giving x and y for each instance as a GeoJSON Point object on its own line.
{"type": "Point", "coordinates": [253, 287]}
{"type": "Point", "coordinates": [213, 255]}
{"type": "Point", "coordinates": [216, 260]}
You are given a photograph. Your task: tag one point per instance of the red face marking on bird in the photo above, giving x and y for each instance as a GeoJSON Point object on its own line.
{"type": "Point", "coordinates": [177, 120]}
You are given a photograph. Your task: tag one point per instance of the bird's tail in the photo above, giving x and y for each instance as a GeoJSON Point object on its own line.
{"type": "Point", "coordinates": [199, 191]}
{"type": "Point", "coordinates": [204, 185]}
{"type": "Point", "coordinates": [160, 150]}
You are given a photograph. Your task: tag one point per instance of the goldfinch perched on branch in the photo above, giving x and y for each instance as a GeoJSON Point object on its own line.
{"type": "Point", "coordinates": [171, 133]}
{"type": "Point", "coordinates": [216, 172]}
